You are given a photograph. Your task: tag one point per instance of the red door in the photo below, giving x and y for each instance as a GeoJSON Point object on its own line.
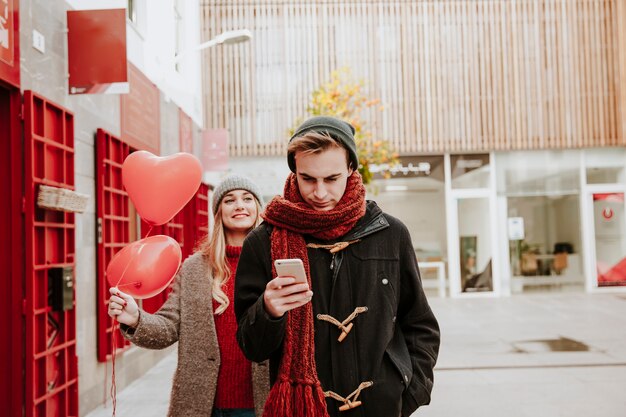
{"type": "Point", "coordinates": [12, 253]}
{"type": "Point", "coordinates": [51, 377]}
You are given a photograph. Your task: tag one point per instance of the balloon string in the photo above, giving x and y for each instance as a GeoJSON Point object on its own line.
{"type": "Point", "coordinates": [129, 283]}
{"type": "Point", "coordinates": [129, 263]}
{"type": "Point", "coordinates": [113, 391]}
{"type": "Point", "coordinates": [113, 349]}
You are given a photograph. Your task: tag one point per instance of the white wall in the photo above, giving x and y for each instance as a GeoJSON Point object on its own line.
{"type": "Point", "coordinates": [185, 87]}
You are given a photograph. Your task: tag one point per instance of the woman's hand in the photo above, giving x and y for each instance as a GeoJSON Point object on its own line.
{"type": "Point", "coordinates": [123, 308]}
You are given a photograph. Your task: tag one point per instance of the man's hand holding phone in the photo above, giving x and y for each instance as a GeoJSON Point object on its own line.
{"type": "Point", "coordinates": [288, 290]}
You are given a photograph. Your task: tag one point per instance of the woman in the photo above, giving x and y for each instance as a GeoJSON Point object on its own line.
{"type": "Point", "coordinates": [213, 378]}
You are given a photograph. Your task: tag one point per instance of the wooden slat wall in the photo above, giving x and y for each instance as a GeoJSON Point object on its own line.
{"type": "Point", "coordinates": [452, 75]}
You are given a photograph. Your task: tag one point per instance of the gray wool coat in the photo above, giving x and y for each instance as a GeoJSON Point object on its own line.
{"type": "Point", "coordinates": [187, 318]}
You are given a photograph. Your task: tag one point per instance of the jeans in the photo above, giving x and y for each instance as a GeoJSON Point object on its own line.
{"type": "Point", "coordinates": [233, 412]}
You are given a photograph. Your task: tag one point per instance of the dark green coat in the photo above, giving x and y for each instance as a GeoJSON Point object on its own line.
{"type": "Point", "coordinates": [394, 344]}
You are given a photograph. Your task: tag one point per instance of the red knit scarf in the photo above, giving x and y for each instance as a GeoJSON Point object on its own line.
{"type": "Point", "coordinates": [297, 391]}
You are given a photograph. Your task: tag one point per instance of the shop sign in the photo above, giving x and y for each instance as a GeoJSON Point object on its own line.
{"type": "Point", "coordinates": [96, 43]}
{"type": "Point", "coordinates": [410, 166]}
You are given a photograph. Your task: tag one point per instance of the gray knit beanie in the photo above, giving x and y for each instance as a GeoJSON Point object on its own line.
{"type": "Point", "coordinates": [336, 128]}
{"type": "Point", "coordinates": [235, 182]}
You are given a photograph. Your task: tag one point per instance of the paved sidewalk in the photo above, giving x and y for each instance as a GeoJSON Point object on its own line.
{"type": "Point", "coordinates": [534, 355]}
{"type": "Point", "coordinates": [544, 355]}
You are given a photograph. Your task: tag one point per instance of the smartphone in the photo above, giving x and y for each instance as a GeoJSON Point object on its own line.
{"type": "Point", "coordinates": [290, 268]}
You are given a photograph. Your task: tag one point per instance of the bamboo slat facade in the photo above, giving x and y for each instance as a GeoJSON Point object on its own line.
{"type": "Point", "coordinates": [453, 76]}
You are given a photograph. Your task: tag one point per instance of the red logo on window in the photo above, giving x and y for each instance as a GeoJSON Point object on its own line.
{"type": "Point", "coordinates": [607, 213]}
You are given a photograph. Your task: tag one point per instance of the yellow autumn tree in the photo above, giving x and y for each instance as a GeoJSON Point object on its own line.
{"type": "Point", "coordinates": [343, 97]}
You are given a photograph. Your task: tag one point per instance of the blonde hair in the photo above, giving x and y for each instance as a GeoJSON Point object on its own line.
{"type": "Point", "coordinates": [214, 247]}
{"type": "Point", "coordinates": [315, 142]}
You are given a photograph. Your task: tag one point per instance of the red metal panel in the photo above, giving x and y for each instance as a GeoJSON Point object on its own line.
{"type": "Point", "coordinates": [12, 255]}
{"type": "Point", "coordinates": [197, 224]}
{"type": "Point", "coordinates": [10, 42]}
{"type": "Point", "coordinates": [185, 132]}
{"type": "Point", "coordinates": [114, 213]}
{"type": "Point", "coordinates": [140, 113]}
{"type": "Point", "coordinates": [51, 377]}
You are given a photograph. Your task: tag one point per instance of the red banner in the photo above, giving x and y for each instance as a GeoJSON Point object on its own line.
{"type": "Point", "coordinates": [96, 49]}
{"type": "Point", "coordinates": [215, 149]}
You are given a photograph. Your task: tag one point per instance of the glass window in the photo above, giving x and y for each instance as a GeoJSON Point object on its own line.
{"type": "Point", "coordinates": [606, 166]}
{"type": "Point", "coordinates": [131, 11]}
{"type": "Point", "coordinates": [470, 171]}
{"type": "Point", "coordinates": [180, 34]}
{"type": "Point", "coordinates": [534, 173]}
{"type": "Point", "coordinates": [548, 245]}
{"type": "Point", "coordinates": [415, 193]}
{"type": "Point", "coordinates": [608, 214]}
{"type": "Point", "coordinates": [475, 245]}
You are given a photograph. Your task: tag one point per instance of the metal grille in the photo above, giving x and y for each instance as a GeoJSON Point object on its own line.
{"type": "Point", "coordinates": [115, 216]}
{"type": "Point", "coordinates": [51, 377]}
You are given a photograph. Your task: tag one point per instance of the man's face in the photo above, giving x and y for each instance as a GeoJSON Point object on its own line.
{"type": "Point", "coordinates": [322, 177]}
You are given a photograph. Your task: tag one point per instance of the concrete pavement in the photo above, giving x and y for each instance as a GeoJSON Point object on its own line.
{"type": "Point", "coordinates": [543, 355]}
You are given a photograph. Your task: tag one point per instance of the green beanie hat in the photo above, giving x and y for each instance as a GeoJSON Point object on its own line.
{"type": "Point", "coordinates": [335, 128]}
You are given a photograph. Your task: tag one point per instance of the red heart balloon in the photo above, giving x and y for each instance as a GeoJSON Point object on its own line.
{"type": "Point", "coordinates": [160, 186]}
{"type": "Point", "coordinates": [146, 267]}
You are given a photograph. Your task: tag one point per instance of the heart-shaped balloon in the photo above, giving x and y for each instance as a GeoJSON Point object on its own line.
{"type": "Point", "coordinates": [160, 186]}
{"type": "Point", "coordinates": [146, 267]}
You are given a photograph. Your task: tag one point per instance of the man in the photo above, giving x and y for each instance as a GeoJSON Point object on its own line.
{"type": "Point", "coordinates": [359, 337]}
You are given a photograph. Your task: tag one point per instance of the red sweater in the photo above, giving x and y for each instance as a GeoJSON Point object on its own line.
{"type": "Point", "coordinates": [234, 381]}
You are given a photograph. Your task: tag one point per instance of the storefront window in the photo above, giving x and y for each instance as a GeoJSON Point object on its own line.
{"type": "Point", "coordinates": [415, 193]}
{"type": "Point", "coordinates": [470, 171]}
{"type": "Point", "coordinates": [608, 214]}
{"type": "Point", "coordinates": [542, 190]}
{"type": "Point", "coordinates": [546, 248]}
